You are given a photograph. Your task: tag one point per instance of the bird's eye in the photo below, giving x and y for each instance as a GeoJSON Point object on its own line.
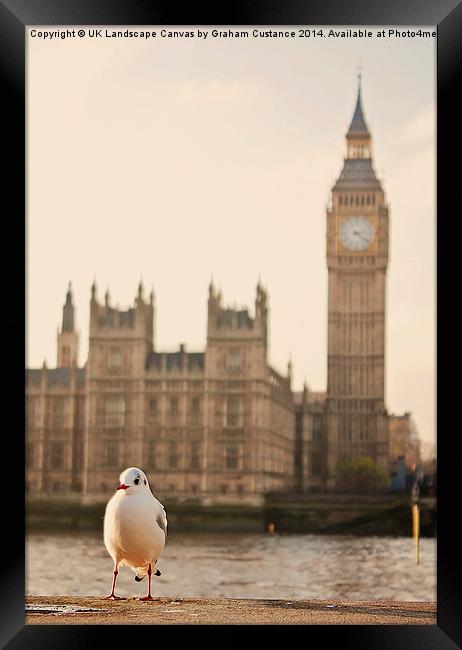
{"type": "Point", "coordinates": [137, 480]}
{"type": "Point", "coordinates": [145, 481]}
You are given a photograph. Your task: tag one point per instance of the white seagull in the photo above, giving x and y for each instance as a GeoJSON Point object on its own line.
{"type": "Point", "coordinates": [135, 528]}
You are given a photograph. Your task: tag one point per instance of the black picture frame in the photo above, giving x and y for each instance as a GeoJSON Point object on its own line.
{"type": "Point", "coordinates": [14, 16]}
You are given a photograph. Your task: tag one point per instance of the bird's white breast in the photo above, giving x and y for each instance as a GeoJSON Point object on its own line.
{"type": "Point", "coordinates": [131, 533]}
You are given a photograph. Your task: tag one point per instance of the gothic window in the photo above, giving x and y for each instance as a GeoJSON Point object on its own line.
{"type": "Point", "coordinates": [58, 486]}
{"type": "Point", "coordinates": [317, 427]}
{"type": "Point", "coordinates": [111, 455]}
{"type": "Point", "coordinates": [115, 360]}
{"type": "Point", "coordinates": [223, 489]}
{"type": "Point", "coordinates": [66, 351]}
{"type": "Point", "coordinates": [153, 406]}
{"type": "Point", "coordinates": [57, 417]}
{"type": "Point", "coordinates": [173, 456]}
{"type": "Point", "coordinates": [115, 411]}
{"type": "Point", "coordinates": [363, 430]}
{"type": "Point", "coordinates": [152, 454]}
{"type": "Point", "coordinates": [234, 411]}
{"type": "Point", "coordinates": [368, 199]}
{"type": "Point", "coordinates": [233, 456]}
{"type": "Point", "coordinates": [174, 407]}
{"type": "Point", "coordinates": [195, 410]}
{"type": "Point", "coordinates": [57, 455]}
{"type": "Point", "coordinates": [234, 359]}
{"type": "Point", "coordinates": [194, 458]}
{"type": "Point", "coordinates": [316, 465]}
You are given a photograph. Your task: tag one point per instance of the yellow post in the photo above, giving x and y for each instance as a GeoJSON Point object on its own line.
{"type": "Point", "coordinates": [416, 530]}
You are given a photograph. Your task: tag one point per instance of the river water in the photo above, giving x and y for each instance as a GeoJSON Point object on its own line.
{"type": "Point", "coordinates": [241, 565]}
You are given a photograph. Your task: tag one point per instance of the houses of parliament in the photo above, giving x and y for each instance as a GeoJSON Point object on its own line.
{"type": "Point", "coordinates": [221, 424]}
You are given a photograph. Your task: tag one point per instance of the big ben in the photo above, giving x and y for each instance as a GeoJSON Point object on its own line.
{"type": "Point", "coordinates": [357, 227]}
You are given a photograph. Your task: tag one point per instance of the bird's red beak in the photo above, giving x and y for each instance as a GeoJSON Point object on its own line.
{"type": "Point", "coordinates": [122, 486]}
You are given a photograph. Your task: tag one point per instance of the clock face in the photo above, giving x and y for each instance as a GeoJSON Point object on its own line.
{"type": "Point", "coordinates": [356, 233]}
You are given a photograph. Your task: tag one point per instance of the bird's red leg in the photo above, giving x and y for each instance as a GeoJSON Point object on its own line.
{"type": "Point", "coordinates": [112, 596]}
{"type": "Point", "coordinates": [148, 597]}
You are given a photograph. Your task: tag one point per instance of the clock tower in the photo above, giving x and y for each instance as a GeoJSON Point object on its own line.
{"type": "Point", "coordinates": [357, 257]}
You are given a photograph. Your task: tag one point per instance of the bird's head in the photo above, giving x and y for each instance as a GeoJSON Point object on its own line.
{"type": "Point", "coordinates": [133, 481]}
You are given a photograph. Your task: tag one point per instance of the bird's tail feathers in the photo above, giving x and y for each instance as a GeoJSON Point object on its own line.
{"type": "Point", "coordinates": [142, 572]}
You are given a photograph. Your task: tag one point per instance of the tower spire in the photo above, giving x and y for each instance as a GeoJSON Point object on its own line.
{"type": "Point", "coordinates": [67, 337]}
{"type": "Point", "coordinates": [68, 312]}
{"type": "Point", "coordinates": [358, 124]}
{"type": "Point", "coordinates": [93, 290]}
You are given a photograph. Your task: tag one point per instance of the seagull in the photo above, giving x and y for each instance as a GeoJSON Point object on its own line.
{"type": "Point", "coordinates": [135, 528]}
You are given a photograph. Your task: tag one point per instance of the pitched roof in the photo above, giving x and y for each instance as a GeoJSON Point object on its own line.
{"type": "Point", "coordinates": [179, 360]}
{"type": "Point", "coordinates": [234, 318]}
{"type": "Point", "coordinates": [116, 318]}
{"type": "Point", "coordinates": [357, 173]}
{"type": "Point", "coordinates": [358, 124]}
{"type": "Point", "coordinates": [54, 376]}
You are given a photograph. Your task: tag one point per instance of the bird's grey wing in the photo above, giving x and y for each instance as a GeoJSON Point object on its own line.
{"type": "Point", "coordinates": [161, 519]}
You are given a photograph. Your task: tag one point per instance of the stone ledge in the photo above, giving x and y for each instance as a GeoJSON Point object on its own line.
{"type": "Point", "coordinates": [81, 610]}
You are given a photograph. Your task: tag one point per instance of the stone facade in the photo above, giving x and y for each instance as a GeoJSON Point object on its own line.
{"type": "Point", "coordinates": [404, 441]}
{"type": "Point", "coordinates": [310, 441]}
{"type": "Point", "coordinates": [217, 424]}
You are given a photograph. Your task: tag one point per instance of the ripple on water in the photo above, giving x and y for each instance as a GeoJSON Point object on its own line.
{"type": "Point", "coordinates": [249, 566]}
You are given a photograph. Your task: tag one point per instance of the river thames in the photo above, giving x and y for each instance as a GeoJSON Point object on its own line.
{"type": "Point", "coordinates": [241, 565]}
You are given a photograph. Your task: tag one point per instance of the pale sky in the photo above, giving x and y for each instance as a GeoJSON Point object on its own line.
{"type": "Point", "coordinates": [174, 159]}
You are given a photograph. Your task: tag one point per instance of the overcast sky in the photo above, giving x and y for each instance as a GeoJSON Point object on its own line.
{"type": "Point", "coordinates": [175, 159]}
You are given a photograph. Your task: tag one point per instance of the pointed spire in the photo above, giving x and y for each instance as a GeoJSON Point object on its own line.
{"type": "Point", "coordinates": [289, 369]}
{"type": "Point", "coordinates": [140, 289]}
{"type": "Point", "coordinates": [93, 289]}
{"type": "Point", "coordinates": [151, 297]}
{"type": "Point", "coordinates": [69, 294]}
{"type": "Point", "coordinates": [358, 124]}
{"type": "Point", "coordinates": [211, 287]}
{"type": "Point", "coordinates": [68, 312]}
{"type": "Point", "coordinates": [107, 297]}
